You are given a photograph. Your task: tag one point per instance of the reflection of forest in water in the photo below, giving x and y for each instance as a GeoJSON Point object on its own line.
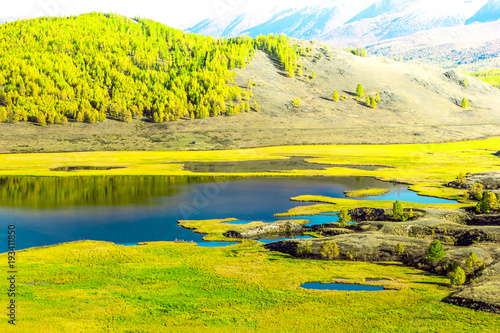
{"type": "Point", "coordinates": [48, 192]}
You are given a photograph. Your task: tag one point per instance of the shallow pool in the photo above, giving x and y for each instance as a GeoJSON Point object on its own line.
{"type": "Point", "coordinates": [340, 287]}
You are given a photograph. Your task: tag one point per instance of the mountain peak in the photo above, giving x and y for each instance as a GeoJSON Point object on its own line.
{"type": "Point", "coordinates": [490, 12]}
{"type": "Point", "coordinates": [378, 8]}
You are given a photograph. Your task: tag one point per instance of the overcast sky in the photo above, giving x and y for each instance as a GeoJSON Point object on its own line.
{"type": "Point", "coordinates": [176, 13]}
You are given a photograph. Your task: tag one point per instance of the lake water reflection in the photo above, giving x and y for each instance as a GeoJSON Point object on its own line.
{"type": "Point", "coordinates": [128, 210]}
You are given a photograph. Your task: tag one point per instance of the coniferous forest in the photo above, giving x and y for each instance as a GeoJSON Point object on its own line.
{"type": "Point", "coordinates": [91, 67]}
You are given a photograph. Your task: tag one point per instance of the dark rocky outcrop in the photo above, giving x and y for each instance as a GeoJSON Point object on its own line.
{"type": "Point", "coordinates": [285, 228]}
{"type": "Point", "coordinates": [377, 214]}
{"type": "Point", "coordinates": [490, 180]}
{"type": "Point", "coordinates": [362, 247]}
{"type": "Point", "coordinates": [485, 219]}
{"type": "Point", "coordinates": [377, 248]}
{"type": "Point", "coordinates": [368, 214]}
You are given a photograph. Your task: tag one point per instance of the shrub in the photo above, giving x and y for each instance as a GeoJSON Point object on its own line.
{"type": "Point", "coordinates": [359, 91]}
{"type": "Point", "coordinates": [307, 249]}
{"type": "Point", "coordinates": [397, 210]}
{"type": "Point", "coordinates": [436, 251]}
{"type": "Point", "coordinates": [491, 200]}
{"type": "Point", "coordinates": [457, 276]}
{"type": "Point", "coordinates": [256, 106]}
{"type": "Point", "coordinates": [488, 203]}
{"type": "Point", "coordinates": [299, 251]}
{"type": "Point", "coordinates": [461, 178]}
{"type": "Point", "coordinates": [329, 250]}
{"type": "Point", "coordinates": [465, 103]}
{"type": "Point", "coordinates": [373, 103]}
{"type": "Point", "coordinates": [399, 249]}
{"type": "Point", "coordinates": [41, 119]}
{"type": "Point", "coordinates": [476, 191]}
{"type": "Point", "coordinates": [344, 217]}
{"type": "Point", "coordinates": [335, 96]}
{"type": "Point", "coordinates": [296, 102]}
{"type": "Point", "coordinates": [472, 262]}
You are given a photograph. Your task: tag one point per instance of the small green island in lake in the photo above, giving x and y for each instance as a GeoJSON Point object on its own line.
{"type": "Point", "coordinates": [372, 192]}
{"type": "Point", "coordinates": [159, 180]}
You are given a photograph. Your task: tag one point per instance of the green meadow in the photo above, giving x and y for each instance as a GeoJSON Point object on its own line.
{"type": "Point", "coordinates": [175, 287]}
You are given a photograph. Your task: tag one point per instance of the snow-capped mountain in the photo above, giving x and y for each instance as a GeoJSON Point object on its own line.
{"type": "Point", "coordinates": [378, 8]}
{"type": "Point", "coordinates": [488, 13]}
{"type": "Point", "coordinates": [302, 22]}
{"type": "Point", "coordinates": [467, 47]}
{"type": "Point", "coordinates": [388, 19]}
{"type": "Point", "coordinates": [424, 30]}
{"type": "Point", "coordinates": [355, 22]}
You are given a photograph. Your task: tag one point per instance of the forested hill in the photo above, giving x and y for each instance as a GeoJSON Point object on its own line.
{"type": "Point", "coordinates": [95, 66]}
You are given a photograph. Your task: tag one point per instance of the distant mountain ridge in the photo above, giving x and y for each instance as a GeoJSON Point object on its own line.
{"type": "Point", "coordinates": [373, 24]}
{"type": "Point", "coordinates": [466, 47]}
{"type": "Point", "coordinates": [488, 13]}
{"type": "Point", "coordinates": [377, 9]}
{"type": "Point", "coordinates": [338, 21]}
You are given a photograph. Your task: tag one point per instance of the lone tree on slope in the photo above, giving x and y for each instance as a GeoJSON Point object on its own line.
{"type": "Point", "coordinates": [335, 96]}
{"type": "Point", "coordinates": [436, 251]}
{"type": "Point", "coordinates": [359, 91]}
{"type": "Point", "coordinates": [465, 103]}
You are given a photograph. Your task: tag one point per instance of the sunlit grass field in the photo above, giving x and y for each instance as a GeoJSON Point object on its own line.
{"type": "Point", "coordinates": [173, 287]}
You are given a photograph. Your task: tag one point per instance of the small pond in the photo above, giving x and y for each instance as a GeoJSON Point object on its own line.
{"type": "Point", "coordinates": [340, 287]}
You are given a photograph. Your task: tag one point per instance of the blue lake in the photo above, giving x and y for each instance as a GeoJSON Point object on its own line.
{"type": "Point", "coordinates": [129, 210]}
